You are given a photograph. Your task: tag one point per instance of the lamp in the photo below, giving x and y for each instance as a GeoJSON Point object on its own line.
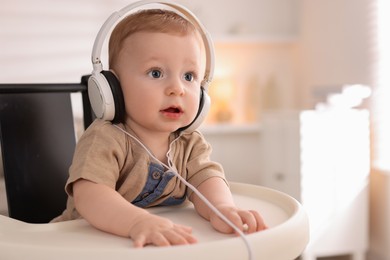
{"type": "Point", "coordinates": [221, 93]}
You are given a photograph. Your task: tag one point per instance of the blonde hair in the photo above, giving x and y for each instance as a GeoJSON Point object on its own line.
{"type": "Point", "coordinates": [150, 20]}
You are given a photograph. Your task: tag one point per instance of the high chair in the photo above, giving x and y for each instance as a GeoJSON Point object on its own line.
{"type": "Point", "coordinates": [37, 134]}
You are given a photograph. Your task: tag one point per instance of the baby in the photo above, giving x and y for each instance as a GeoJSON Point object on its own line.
{"type": "Point", "coordinates": [123, 166]}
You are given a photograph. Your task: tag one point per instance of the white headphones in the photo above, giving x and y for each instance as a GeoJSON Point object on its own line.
{"type": "Point", "coordinates": [105, 93]}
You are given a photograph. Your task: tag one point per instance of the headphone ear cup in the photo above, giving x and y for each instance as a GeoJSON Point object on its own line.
{"type": "Point", "coordinates": [106, 97]}
{"type": "Point", "coordinates": [119, 101]}
{"type": "Point", "coordinates": [204, 107]}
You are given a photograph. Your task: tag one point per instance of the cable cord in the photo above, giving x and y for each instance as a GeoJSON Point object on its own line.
{"type": "Point", "coordinates": [171, 167]}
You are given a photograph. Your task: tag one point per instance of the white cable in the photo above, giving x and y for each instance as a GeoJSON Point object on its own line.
{"type": "Point", "coordinates": [203, 198]}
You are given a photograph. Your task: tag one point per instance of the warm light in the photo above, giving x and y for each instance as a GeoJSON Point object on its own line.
{"type": "Point", "coordinates": [222, 89]}
{"type": "Point", "coordinates": [222, 94]}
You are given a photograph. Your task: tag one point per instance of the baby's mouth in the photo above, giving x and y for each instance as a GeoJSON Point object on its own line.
{"type": "Point", "coordinates": [175, 110]}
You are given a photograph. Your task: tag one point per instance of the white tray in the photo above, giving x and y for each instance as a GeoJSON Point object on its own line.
{"type": "Point", "coordinates": [286, 238]}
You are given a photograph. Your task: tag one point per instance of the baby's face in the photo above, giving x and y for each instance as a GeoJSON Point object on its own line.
{"type": "Point", "coordinates": [160, 75]}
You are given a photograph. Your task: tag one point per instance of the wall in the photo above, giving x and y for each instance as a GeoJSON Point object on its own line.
{"type": "Point", "coordinates": [46, 41]}
{"type": "Point", "coordinates": [335, 47]}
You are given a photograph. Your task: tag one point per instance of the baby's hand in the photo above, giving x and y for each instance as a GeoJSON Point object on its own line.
{"type": "Point", "coordinates": [248, 221]}
{"type": "Point", "coordinates": [158, 231]}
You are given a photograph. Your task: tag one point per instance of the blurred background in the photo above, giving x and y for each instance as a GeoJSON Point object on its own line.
{"type": "Point", "coordinates": [299, 99]}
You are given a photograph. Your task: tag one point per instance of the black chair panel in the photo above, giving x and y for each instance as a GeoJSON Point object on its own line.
{"type": "Point", "coordinates": [37, 138]}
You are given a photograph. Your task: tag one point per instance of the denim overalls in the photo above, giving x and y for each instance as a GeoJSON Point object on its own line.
{"type": "Point", "coordinates": [154, 187]}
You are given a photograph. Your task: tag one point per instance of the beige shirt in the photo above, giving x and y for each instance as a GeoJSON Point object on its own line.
{"type": "Point", "coordinates": [106, 155]}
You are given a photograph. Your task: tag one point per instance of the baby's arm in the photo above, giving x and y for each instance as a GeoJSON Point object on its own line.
{"type": "Point", "coordinates": [107, 210]}
{"type": "Point", "coordinates": [218, 193]}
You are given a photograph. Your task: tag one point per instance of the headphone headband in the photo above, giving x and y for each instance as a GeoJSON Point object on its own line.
{"type": "Point", "coordinates": [104, 90]}
{"type": "Point", "coordinates": [181, 10]}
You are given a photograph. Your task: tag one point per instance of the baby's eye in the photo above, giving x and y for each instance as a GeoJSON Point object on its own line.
{"type": "Point", "coordinates": [189, 77]}
{"type": "Point", "coordinates": [155, 73]}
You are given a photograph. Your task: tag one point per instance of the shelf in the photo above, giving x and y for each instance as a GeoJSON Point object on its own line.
{"type": "Point", "coordinates": [230, 129]}
{"type": "Point", "coordinates": [253, 39]}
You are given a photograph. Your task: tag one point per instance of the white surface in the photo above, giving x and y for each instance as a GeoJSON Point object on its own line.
{"type": "Point", "coordinates": [286, 238]}
{"type": "Point", "coordinates": [322, 159]}
{"type": "Point", "coordinates": [237, 151]}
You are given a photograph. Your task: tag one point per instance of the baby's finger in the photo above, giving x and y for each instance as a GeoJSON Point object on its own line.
{"type": "Point", "coordinates": [187, 236]}
{"type": "Point", "coordinates": [159, 239]}
{"type": "Point", "coordinates": [249, 220]}
{"type": "Point", "coordinates": [179, 237]}
{"type": "Point", "coordinates": [184, 228]}
{"type": "Point", "coordinates": [236, 219]}
{"type": "Point", "coordinates": [139, 242]}
{"type": "Point", "coordinates": [260, 221]}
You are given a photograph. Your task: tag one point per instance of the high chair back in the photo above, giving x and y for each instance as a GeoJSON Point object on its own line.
{"type": "Point", "coordinates": [37, 136]}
